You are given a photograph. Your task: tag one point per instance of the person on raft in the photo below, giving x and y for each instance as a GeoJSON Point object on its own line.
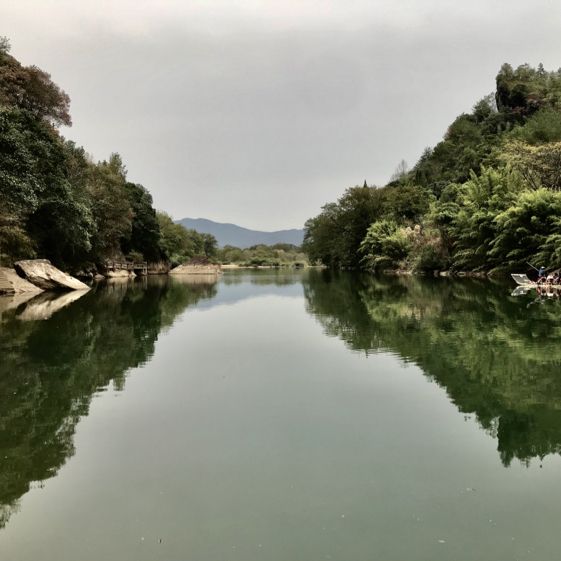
{"type": "Point", "coordinates": [541, 275]}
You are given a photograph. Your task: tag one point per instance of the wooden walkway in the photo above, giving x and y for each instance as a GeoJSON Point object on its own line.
{"type": "Point", "coordinates": [138, 268]}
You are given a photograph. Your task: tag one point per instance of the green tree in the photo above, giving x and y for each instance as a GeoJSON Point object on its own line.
{"type": "Point", "coordinates": [210, 245]}
{"type": "Point", "coordinates": [334, 236]}
{"type": "Point", "coordinates": [145, 231]}
{"type": "Point", "coordinates": [542, 127]}
{"type": "Point", "coordinates": [539, 165]}
{"type": "Point", "coordinates": [529, 230]}
{"type": "Point", "coordinates": [474, 228]}
{"type": "Point", "coordinates": [41, 213]}
{"type": "Point", "coordinates": [55, 202]}
{"type": "Point", "coordinates": [180, 244]}
{"type": "Point", "coordinates": [406, 203]}
{"type": "Point", "coordinates": [111, 207]}
{"type": "Point", "coordinates": [31, 89]}
{"type": "Point", "coordinates": [384, 245]}
{"type": "Point", "coordinates": [525, 90]}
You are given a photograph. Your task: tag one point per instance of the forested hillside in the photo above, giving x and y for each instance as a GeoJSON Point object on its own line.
{"type": "Point", "coordinates": [56, 202]}
{"type": "Point", "coordinates": [485, 198]}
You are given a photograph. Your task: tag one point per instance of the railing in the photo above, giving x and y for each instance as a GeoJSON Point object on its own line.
{"type": "Point", "coordinates": [127, 266]}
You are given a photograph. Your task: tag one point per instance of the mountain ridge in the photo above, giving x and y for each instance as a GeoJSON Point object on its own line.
{"type": "Point", "coordinates": [227, 233]}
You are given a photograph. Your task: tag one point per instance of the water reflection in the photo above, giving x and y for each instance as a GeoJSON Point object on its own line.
{"type": "Point", "coordinates": [263, 277]}
{"type": "Point", "coordinates": [495, 355]}
{"type": "Point", "coordinates": [50, 369]}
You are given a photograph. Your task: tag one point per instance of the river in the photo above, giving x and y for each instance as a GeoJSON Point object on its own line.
{"type": "Point", "coordinates": [281, 416]}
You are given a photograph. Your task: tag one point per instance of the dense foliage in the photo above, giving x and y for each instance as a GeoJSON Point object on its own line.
{"type": "Point", "coordinates": [56, 202]}
{"type": "Point", "coordinates": [487, 197]}
{"type": "Point", "coordinates": [277, 255]}
{"type": "Point", "coordinates": [181, 244]}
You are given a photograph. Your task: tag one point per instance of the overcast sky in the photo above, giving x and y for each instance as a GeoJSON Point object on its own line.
{"type": "Point", "coordinates": [258, 112]}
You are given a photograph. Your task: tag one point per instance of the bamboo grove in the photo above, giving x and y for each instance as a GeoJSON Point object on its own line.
{"type": "Point", "coordinates": [485, 198]}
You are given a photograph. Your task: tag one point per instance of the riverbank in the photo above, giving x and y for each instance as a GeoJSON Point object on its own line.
{"type": "Point", "coordinates": [459, 274]}
{"type": "Point", "coordinates": [36, 275]}
{"type": "Point", "coordinates": [227, 266]}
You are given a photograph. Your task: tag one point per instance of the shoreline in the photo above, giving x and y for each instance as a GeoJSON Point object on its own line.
{"type": "Point", "coordinates": [217, 269]}
{"type": "Point", "coordinates": [444, 274]}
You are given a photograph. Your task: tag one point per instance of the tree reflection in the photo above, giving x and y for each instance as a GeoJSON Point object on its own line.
{"type": "Point", "coordinates": [50, 369]}
{"type": "Point", "coordinates": [495, 356]}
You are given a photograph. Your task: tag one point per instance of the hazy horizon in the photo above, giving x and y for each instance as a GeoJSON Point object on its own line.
{"type": "Point", "coordinates": [233, 224]}
{"type": "Point", "coordinates": [257, 113]}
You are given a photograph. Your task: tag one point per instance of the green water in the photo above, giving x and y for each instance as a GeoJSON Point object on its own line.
{"type": "Point", "coordinates": [281, 417]}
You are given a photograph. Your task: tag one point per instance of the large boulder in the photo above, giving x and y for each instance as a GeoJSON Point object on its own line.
{"type": "Point", "coordinates": [12, 283]}
{"type": "Point", "coordinates": [41, 273]}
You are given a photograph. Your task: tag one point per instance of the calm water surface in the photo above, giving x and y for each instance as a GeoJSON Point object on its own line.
{"type": "Point", "coordinates": [281, 417]}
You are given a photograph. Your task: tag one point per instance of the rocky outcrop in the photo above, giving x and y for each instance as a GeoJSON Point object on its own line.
{"type": "Point", "coordinates": [41, 273]}
{"type": "Point", "coordinates": [190, 269]}
{"type": "Point", "coordinates": [12, 283]}
{"type": "Point", "coordinates": [120, 274]}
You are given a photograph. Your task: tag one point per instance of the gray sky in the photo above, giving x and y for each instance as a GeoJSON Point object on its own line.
{"type": "Point", "coordinates": [258, 112]}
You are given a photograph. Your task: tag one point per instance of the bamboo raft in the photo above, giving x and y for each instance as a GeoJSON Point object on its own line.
{"type": "Point", "coordinates": [525, 284]}
{"type": "Point", "coordinates": [523, 280]}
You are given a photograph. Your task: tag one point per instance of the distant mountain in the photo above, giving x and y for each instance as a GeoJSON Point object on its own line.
{"type": "Point", "coordinates": [230, 234]}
